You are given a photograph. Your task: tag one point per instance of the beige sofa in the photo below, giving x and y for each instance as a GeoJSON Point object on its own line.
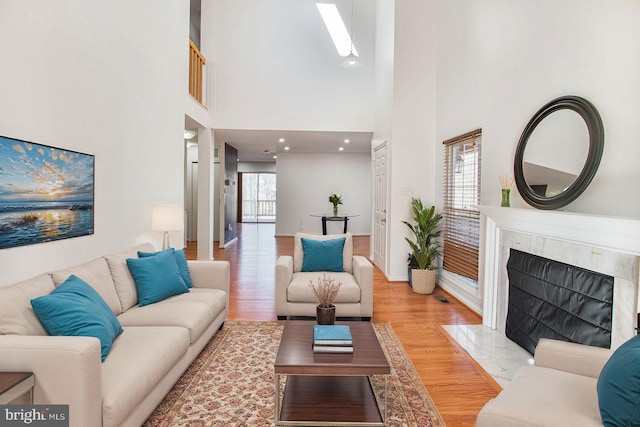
{"type": "Point", "coordinates": [295, 298]}
{"type": "Point", "coordinates": [158, 343]}
{"type": "Point", "coordinates": [558, 391]}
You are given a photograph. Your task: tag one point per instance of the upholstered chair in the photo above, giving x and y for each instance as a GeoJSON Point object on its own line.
{"type": "Point", "coordinates": [560, 389]}
{"type": "Point", "coordinates": [325, 254]}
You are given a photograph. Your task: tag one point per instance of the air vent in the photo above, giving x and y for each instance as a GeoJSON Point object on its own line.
{"type": "Point", "coordinates": [442, 299]}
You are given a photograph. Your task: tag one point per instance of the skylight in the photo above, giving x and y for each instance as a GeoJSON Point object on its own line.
{"type": "Point", "coordinates": [335, 25]}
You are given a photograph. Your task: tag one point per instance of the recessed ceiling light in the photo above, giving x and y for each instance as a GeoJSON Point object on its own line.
{"type": "Point", "coordinates": [275, 157]}
{"type": "Point", "coordinates": [341, 148]}
{"type": "Point", "coordinates": [346, 141]}
{"type": "Point", "coordinates": [281, 140]}
{"type": "Point", "coordinates": [286, 148]}
{"type": "Point", "coordinates": [188, 134]}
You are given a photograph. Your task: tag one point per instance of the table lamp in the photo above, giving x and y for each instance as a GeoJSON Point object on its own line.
{"type": "Point", "coordinates": [167, 218]}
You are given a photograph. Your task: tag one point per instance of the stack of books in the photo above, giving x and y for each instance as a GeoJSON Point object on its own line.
{"type": "Point", "coordinates": [332, 339]}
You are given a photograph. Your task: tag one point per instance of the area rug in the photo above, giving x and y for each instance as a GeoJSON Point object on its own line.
{"type": "Point", "coordinates": [231, 383]}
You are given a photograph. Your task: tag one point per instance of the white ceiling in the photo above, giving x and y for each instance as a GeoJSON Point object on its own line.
{"type": "Point", "coordinates": [262, 145]}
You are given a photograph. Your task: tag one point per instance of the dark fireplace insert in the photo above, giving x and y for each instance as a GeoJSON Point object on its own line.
{"type": "Point", "coordinates": [550, 299]}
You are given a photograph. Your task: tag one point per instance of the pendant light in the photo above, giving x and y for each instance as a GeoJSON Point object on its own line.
{"type": "Point", "coordinates": [351, 60]}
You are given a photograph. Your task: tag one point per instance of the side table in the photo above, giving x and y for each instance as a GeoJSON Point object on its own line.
{"type": "Point", "coordinates": [15, 385]}
{"type": "Point", "coordinates": [329, 217]}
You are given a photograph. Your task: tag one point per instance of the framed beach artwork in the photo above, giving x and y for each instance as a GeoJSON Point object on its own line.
{"type": "Point", "coordinates": [46, 193]}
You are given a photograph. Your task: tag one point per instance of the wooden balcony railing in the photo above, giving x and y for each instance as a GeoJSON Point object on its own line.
{"type": "Point", "coordinates": [196, 67]}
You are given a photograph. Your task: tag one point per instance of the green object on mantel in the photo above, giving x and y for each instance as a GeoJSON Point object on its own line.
{"type": "Point", "coordinates": [505, 197]}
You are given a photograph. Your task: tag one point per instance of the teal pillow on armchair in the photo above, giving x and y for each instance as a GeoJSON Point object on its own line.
{"type": "Point", "coordinates": [322, 255]}
{"type": "Point", "coordinates": [619, 386]}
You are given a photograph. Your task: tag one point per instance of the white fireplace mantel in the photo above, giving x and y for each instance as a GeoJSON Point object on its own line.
{"type": "Point", "coordinates": [592, 233]}
{"type": "Point", "coordinates": [614, 233]}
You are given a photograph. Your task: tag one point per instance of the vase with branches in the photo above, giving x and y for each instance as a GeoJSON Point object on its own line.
{"type": "Point", "coordinates": [505, 185]}
{"type": "Point", "coordinates": [326, 291]}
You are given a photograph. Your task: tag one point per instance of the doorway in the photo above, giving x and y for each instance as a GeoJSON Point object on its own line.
{"type": "Point", "coordinates": [258, 197]}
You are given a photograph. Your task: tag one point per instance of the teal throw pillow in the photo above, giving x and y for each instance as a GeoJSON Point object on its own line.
{"type": "Point", "coordinates": [619, 386]}
{"type": "Point", "coordinates": [75, 309]}
{"type": "Point", "coordinates": [181, 259]}
{"type": "Point", "coordinates": [157, 277]}
{"type": "Point", "coordinates": [322, 255]}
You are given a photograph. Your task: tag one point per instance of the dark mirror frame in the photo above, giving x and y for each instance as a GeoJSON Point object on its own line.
{"type": "Point", "coordinates": [596, 146]}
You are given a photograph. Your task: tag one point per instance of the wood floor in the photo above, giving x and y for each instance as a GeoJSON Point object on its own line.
{"type": "Point", "coordinates": [458, 387]}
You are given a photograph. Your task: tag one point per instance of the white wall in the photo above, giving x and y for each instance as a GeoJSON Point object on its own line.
{"type": "Point", "coordinates": [499, 61]}
{"type": "Point", "coordinates": [385, 14]}
{"type": "Point", "coordinates": [413, 160]}
{"type": "Point", "coordinates": [257, 167]}
{"type": "Point", "coordinates": [275, 67]}
{"type": "Point", "coordinates": [304, 183]}
{"type": "Point", "coordinates": [80, 75]}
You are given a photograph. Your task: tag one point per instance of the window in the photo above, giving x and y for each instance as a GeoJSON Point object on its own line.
{"type": "Point", "coordinates": [461, 233]}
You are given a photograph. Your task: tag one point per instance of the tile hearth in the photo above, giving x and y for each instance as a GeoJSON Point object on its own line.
{"type": "Point", "coordinates": [497, 354]}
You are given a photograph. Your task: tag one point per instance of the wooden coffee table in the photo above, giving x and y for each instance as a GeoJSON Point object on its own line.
{"type": "Point", "coordinates": [329, 389]}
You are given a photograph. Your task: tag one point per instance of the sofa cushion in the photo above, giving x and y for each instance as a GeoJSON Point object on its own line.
{"type": "Point", "coordinates": [299, 290]}
{"type": "Point", "coordinates": [322, 255]}
{"type": "Point", "coordinates": [122, 279]}
{"type": "Point", "coordinates": [181, 260]}
{"type": "Point", "coordinates": [156, 277]}
{"type": "Point", "coordinates": [619, 386]}
{"type": "Point", "coordinates": [75, 309]}
{"type": "Point", "coordinates": [159, 314]}
{"type": "Point", "coordinates": [96, 273]}
{"type": "Point", "coordinates": [192, 315]}
{"type": "Point", "coordinates": [298, 251]}
{"type": "Point", "coordinates": [543, 397]}
{"type": "Point", "coordinates": [140, 358]}
{"type": "Point", "coordinates": [215, 299]}
{"type": "Point", "coordinates": [16, 314]}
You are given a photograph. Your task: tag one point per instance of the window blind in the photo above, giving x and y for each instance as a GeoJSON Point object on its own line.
{"type": "Point", "coordinates": [461, 229]}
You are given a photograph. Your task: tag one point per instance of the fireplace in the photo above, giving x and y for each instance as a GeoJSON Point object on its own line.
{"type": "Point", "coordinates": [606, 245]}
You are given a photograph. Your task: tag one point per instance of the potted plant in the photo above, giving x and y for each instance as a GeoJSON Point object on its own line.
{"type": "Point", "coordinates": [425, 247]}
{"type": "Point", "coordinates": [326, 290]}
{"type": "Point", "coordinates": [335, 199]}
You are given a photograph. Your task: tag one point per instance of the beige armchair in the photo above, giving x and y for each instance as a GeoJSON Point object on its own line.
{"type": "Point", "coordinates": [294, 296]}
{"type": "Point", "coordinates": [558, 391]}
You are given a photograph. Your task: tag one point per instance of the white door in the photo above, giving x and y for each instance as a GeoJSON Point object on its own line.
{"type": "Point", "coordinates": [380, 208]}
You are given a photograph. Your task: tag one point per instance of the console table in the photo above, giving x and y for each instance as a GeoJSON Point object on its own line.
{"type": "Point", "coordinates": [330, 217]}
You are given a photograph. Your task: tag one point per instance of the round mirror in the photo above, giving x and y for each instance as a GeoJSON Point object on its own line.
{"type": "Point", "coordinates": [559, 152]}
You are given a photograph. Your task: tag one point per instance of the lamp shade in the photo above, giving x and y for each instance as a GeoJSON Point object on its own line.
{"type": "Point", "coordinates": [352, 61]}
{"type": "Point", "coordinates": [167, 218]}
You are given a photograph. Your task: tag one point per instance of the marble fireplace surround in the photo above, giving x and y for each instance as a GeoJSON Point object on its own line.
{"type": "Point", "coordinates": [607, 245]}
